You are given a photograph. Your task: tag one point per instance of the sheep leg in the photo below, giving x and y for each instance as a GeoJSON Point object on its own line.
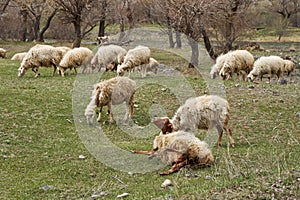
{"type": "Point", "coordinates": [130, 107]}
{"type": "Point", "coordinates": [36, 72]}
{"type": "Point", "coordinates": [99, 116]}
{"type": "Point", "coordinates": [76, 70]}
{"type": "Point", "coordinates": [229, 134]}
{"type": "Point", "coordinates": [54, 70]}
{"type": "Point", "coordinates": [110, 113]}
{"type": "Point", "coordinates": [179, 163]}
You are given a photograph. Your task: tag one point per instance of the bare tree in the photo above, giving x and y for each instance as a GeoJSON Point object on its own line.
{"type": "Point", "coordinates": [286, 9]}
{"type": "Point", "coordinates": [81, 13]}
{"type": "Point", "coordinates": [3, 6]}
{"type": "Point", "coordinates": [33, 12]}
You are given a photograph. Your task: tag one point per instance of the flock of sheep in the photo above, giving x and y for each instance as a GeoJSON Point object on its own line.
{"type": "Point", "coordinates": [176, 144]}
{"type": "Point", "coordinates": [108, 57]}
{"type": "Point", "coordinates": [243, 63]}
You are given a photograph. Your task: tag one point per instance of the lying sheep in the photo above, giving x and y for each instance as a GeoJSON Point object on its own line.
{"type": "Point", "coordinates": [215, 70]}
{"type": "Point", "coordinates": [238, 61]}
{"type": "Point", "coordinates": [40, 55]}
{"type": "Point", "coordinates": [267, 65]}
{"type": "Point", "coordinates": [138, 56]}
{"type": "Point", "coordinates": [289, 67]}
{"type": "Point", "coordinates": [107, 55]}
{"type": "Point", "coordinates": [75, 58]}
{"type": "Point", "coordinates": [19, 56]}
{"type": "Point", "coordinates": [111, 92]}
{"type": "Point", "coordinates": [2, 53]}
{"type": "Point", "coordinates": [179, 149]}
{"type": "Point", "coordinates": [204, 112]}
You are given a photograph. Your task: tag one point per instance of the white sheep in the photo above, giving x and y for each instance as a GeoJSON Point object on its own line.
{"type": "Point", "coordinates": [289, 67]}
{"type": "Point", "coordinates": [135, 57]}
{"type": "Point", "coordinates": [179, 149]}
{"type": "Point", "coordinates": [40, 55]}
{"type": "Point", "coordinates": [75, 58]}
{"type": "Point", "coordinates": [238, 61]}
{"type": "Point", "coordinates": [203, 112]}
{"type": "Point", "coordinates": [267, 65]}
{"type": "Point", "coordinates": [215, 69]}
{"type": "Point", "coordinates": [19, 56]}
{"type": "Point", "coordinates": [107, 55]}
{"type": "Point", "coordinates": [110, 92]}
{"type": "Point", "coordinates": [2, 53]}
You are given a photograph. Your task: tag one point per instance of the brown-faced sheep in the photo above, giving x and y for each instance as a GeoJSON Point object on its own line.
{"type": "Point", "coordinates": [179, 149]}
{"type": "Point", "coordinates": [19, 56]}
{"type": "Point", "coordinates": [239, 62]}
{"type": "Point", "coordinates": [289, 67]}
{"type": "Point", "coordinates": [75, 58]}
{"type": "Point", "coordinates": [203, 112]}
{"type": "Point", "coordinates": [110, 92]}
{"type": "Point", "coordinates": [138, 56]}
{"type": "Point", "coordinates": [267, 65]}
{"type": "Point", "coordinates": [2, 53]}
{"type": "Point", "coordinates": [40, 55]}
{"type": "Point", "coordinates": [107, 55]}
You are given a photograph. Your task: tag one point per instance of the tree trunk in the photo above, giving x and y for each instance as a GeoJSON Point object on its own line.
{"type": "Point", "coordinates": [178, 40]}
{"type": "Point", "coordinates": [47, 25]}
{"type": "Point", "coordinates": [208, 45]}
{"type": "Point", "coordinates": [24, 16]}
{"type": "Point", "coordinates": [78, 36]}
{"type": "Point", "coordinates": [101, 32]}
{"type": "Point", "coordinates": [36, 26]}
{"type": "Point", "coordinates": [122, 29]}
{"type": "Point", "coordinates": [170, 33]}
{"type": "Point", "coordinates": [194, 62]}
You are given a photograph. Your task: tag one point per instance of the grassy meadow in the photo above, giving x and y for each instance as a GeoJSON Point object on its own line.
{"type": "Point", "coordinates": [44, 152]}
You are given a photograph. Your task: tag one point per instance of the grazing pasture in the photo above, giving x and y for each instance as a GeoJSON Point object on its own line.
{"type": "Point", "coordinates": [43, 157]}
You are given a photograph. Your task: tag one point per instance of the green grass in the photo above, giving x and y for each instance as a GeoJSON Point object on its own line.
{"type": "Point", "coordinates": [41, 140]}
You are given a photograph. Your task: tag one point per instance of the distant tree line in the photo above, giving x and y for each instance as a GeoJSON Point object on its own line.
{"type": "Point", "coordinates": [222, 21]}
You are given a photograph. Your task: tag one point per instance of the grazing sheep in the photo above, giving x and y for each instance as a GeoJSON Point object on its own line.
{"type": "Point", "coordinates": [19, 56]}
{"type": "Point", "coordinates": [63, 50]}
{"type": "Point", "coordinates": [111, 92]}
{"type": "Point", "coordinates": [74, 58]}
{"type": "Point", "coordinates": [204, 112]}
{"type": "Point", "coordinates": [2, 53]}
{"type": "Point", "coordinates": [215, 70]}
{"type": "Point", "coordinates": [289, 67]}
{"type": "Point", "coordinates": [107, 55]}
{"type": "Point", "coordinates": [238, 61]}
{"type": "Point", "coordinates": [179, 149]}
{"type": "Point", "coordinates": [140, 55]}
{"type": "Point", "coordinates": [40, 55]}
{"type": "Point", "coordinates": [267, 65]}
{"type": "Point", "coordinates": [151, 67]}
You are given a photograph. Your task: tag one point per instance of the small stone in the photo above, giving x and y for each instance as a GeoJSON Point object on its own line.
{"type": "Point", "coordinates": [166, 183]}
{"type": "Point", "coordinates": [123, 195]}
{"type": "Point", "coordinates": [47, 187]}
{"type": "Point", "coordinates": [135, 106]}
{"type": "Point", "coordinates": [82, 157]}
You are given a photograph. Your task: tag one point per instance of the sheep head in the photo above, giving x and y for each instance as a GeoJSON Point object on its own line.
{"type": "Point", "coordinates": [164, 124]}
{"type": "Point", "coordinates": [251, 76]}
{"type": "Point", "coordinates": [21, 72]}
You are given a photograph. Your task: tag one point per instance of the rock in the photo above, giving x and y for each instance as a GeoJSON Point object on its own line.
{"type": "Point", "coordinates": [123, 195]}
{"type": "Point", "coordinates": [166, 183]}
{"type": "Point", "coordinates": [81, 157]}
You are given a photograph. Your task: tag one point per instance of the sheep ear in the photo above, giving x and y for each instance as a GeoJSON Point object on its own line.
{"type": "Point", "coordinates": [161, 122]}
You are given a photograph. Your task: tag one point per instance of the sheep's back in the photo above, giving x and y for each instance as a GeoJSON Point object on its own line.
{"type": "Point", "coordinates": [41, 55]}
{"type": "Point", "coordinates": [199, 112]}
